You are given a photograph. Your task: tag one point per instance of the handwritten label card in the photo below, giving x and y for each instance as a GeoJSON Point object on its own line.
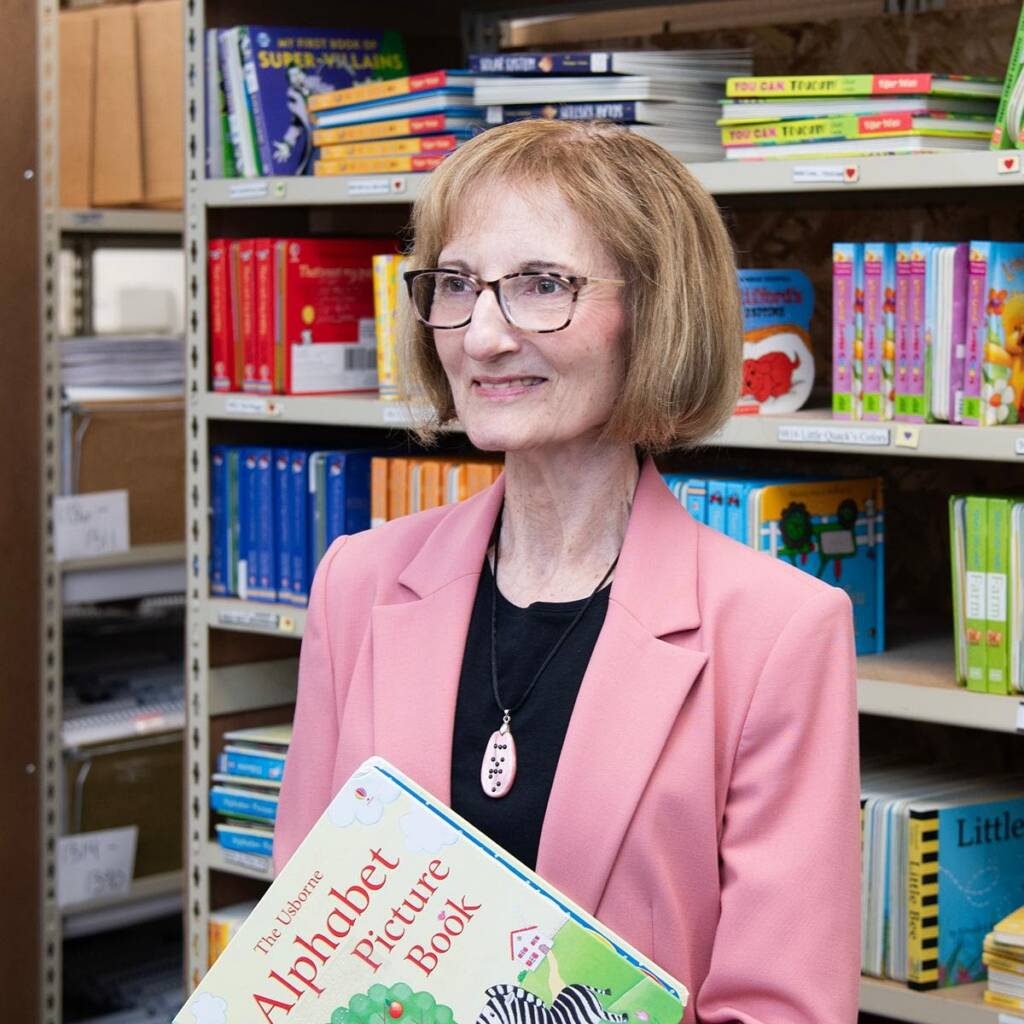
{"type": "Point", "coordinates": [90, 525]}
{"type": "Point", "coordinates": [95, 865]}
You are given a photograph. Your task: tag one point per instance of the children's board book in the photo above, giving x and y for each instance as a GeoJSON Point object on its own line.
{"type": "Point", "coordinates": [847, 328]}
{"type": "Point", "coordinates": [778, 364]}
{"type": "Point", "coordinates": [282, 71]}
{"type": "Point", "coordinates": [900, 84]}
{"type": "Point", "coordinates": [761, 110]}
{"type": "Point", "coordinates": [395, 909]}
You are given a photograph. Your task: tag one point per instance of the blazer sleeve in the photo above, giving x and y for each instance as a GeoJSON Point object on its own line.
{"type": "Point", "coordinates": [787, 946]}
{"type": "Point", "coordinates": [306, 788]}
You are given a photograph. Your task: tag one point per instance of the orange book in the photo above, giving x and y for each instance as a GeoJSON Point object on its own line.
{"type": "Point", "coordinates": [378, 490]}
{"type": "Point", "coordinates": [431, 495]}
{"type": "Point", "coordinates": [398, 487]}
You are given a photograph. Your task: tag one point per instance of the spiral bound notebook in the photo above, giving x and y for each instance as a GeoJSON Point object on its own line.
{"type": "Point", "coordinates": [394, 909]}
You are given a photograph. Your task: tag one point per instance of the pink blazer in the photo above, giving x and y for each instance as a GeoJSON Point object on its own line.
{"type": "Point", "coordinates": [706, 802]}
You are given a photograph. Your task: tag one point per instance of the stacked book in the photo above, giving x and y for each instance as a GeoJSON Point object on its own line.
{"type": "Point", "coordinates": [833, 529]}
{"type": "Point", "coordinates": [405, 125]}
{"type": "Point", "coordinates": [260, 80]}
{"type": "Point", "coordinates": [401, 486]}
{"type": "Point", "coordinates": [807, 116]}
{"type": "Point", "coordinates": [246, 786]}
{"type": "Point", "coordinates": [223, 925]}
{"type": "Point", "coordinates": [122, 367]}
{"type": "Point", "coordinates": [943, 861]}
{"type": "Point", "coordinates": [987, 554]}
{"type": "Point", "coordinates": [293, 316]}
{"type": "Point", "coordinates": [1003, 955]}
{"type": "Point", "coordinates": [669, 96]}
{"type": "Point", "coordinates": [928, 331]}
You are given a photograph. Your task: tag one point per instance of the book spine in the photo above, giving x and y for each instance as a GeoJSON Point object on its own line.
{"type": "Point", "coordinates": [996, 581]}
{"type": "Point", "coordinates": [265, 535]}
{"type": "Point", "coordinates": [377, 165]}
{"type": "Point", "coordinates": [878, 540]}
{"type": "Point", "coordinates": [1006, 135]}
{"type": "Point", "coordinates": [246, 524]}
{"type": "Point", "coordinates": [237, 104]}
{"type": "Point", "coordinates": [395, 128]}
{"type": "Point", "coordinates": [975, 330]}
{"type": "Point", "coordinates": [716, 505]}
{"type": "Point", "coordinates": [957, 556]}
{"type": "Point", "coordinates": [247, 311]}
{"type": "Point", "coordinates": [697, 499]}
{"type": "Point", "coordinates": [411, 146]}
{"type": "Point", "coordinates": [976, 592]}
{"type": "Point", "coordinates": [590, 62]}
{"type": "Point", "coordinates": [263, 354]}
{"type": "Point", "coordinates": [873, 382]}
{"type": "Point", "coordinates": [250, 766]}
{"type": "Point", "coordinates": [844, 285]}
{"type": "Point", "coordinates": [795, 86]}
{"type": "Point", "coordinates": [232, 525]}
{"type": "Point", "coordinates": [221, 355]}
{"type": "Point", "coordinates": [211, 97]}
{"type": "Point", "coordinates": [398, 487]}
{"type": "Point", "coordinates": [237, 351]}
{"type": "Point", "coordinates": [280, 285]}
{"type": "Point", "coordinates": [218, 508]}
{"type": "Point", "coordinates": [622, 112]}
{"type": "Point", "coordinates": [914, 408]}
{"type": "Point", "coordinates": [255, 102]}
{"type": "Point", "coordinates": [253, 807]}
{"type": "Point", "coordinates": [386, 283]}
{"type": "Point", "coordinates": [388, 89]}
{"type": "Point", "coordinates": [357, 492]}
{"type": "Point", "coordinates": [317, 509]}
{"type": "Point", "coordinates": [257, 845]}
{"type": "Point", "coordinates": [958, 348]}
{"type": "Point", "coordinates": [733, 509]}
{"type": "Point", "coordinates": [299, 504]}
{"type": "Point", "coordinates": [283, 523]}
{"type": "Point", "coordinates": [378, 491]}
{"type": "Point", "coordinates": [903, 319]}
{"type": "Point", "coordinates": [336, 498]}
{"type": "Point", "coordinates": [923, 900]}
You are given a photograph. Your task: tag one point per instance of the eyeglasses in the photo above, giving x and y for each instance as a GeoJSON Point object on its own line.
{"type": "Point", "coordinates": [532, 301]}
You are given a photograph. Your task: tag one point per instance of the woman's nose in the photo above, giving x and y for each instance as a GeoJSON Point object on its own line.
{"type": "Point", "coordinates": [489, 334]}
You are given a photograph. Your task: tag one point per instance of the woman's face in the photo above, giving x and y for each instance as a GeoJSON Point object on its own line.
{"type": "Point", "coordinates": [517, 390]}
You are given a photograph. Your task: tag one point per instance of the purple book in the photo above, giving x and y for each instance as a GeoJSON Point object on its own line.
{"type": "Point", "coordinates": [958, 346]}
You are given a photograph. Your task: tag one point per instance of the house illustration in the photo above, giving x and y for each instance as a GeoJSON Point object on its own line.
{"type": "Point", "coordinates": [529, 946]}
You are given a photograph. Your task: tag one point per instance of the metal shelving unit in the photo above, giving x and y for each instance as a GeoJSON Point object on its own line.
{"type": "Point", "coordinates": [913, 681]}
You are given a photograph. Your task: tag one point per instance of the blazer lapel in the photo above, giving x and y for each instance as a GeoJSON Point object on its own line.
{"type": "Point", "coordinates": [633, 689]}
{"type": "Point", "coordinates": [418, 645]}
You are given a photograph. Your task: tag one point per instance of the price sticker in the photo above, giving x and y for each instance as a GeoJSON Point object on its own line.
{"type": "Point", "coordinates": [95, 865]}
{"type": "Point", "coordinates": [1020, 716]}
{"type": "Point", "coordinates": [907, 437]}
{"type": "Point", "coordinates": [1008, 164]}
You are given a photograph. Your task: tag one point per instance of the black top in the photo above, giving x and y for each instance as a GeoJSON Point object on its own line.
{"type": "Point", "coordinates": [525, 636]}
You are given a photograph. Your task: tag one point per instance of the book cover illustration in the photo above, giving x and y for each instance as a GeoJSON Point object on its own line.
{"type": "Point", "coordinates": [287, 67]}
{"type": "Point", "coordinates": [834, 530]}
{"type": "Point", "coordinates": [778, 364]}
{"type": "Point", "coordinates": [394, 909]}
{"type": "Point", "coordinates": [1002, 377]}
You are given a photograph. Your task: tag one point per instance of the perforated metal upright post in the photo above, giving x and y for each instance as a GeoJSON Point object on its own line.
{"type": "Point", "coordinates": [197, 502]}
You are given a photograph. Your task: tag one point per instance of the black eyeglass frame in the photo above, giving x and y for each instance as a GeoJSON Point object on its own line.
{"type": "Point", "coordinates": [575, 284]}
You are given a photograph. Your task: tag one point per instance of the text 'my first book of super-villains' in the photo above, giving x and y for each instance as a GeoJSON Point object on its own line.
{"type": "Point", "coordinates": [394, 909]}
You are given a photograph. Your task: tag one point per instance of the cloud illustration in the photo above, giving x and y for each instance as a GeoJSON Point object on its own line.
{"type": "Point", "coordinates": [426, 832]}
{"type": "Point", "coordinates": [362, 799]}
{"type": "Point", "coordinates": [209, 1009]}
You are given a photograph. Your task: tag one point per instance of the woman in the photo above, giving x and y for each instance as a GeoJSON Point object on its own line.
{"type": "Point", "coordinates": [685, 739]}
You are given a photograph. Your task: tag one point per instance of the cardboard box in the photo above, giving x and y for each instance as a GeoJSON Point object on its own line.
{"type": "Point", "coordinates": [77, 32]}
{"type": "Point", "coordinates": [117, 146]}
{"type": "Point", "coordinates": [161, 38]}
{"type": "Point", "coordinates": [138, 447]}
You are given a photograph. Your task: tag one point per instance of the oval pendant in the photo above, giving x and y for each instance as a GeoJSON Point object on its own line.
{"type": "Point", "coordinates": [498, 768]}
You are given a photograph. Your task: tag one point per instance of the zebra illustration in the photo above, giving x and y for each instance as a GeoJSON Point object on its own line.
{"type": "Point", "coordinates": [575, 1004]}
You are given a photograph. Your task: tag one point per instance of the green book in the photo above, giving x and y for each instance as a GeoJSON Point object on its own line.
{"type": "Point", "coordinates": [975, 590]}
{"type": "Point", "coordinates": [996, 624]}
{"type": "Point", "coordinates": [958, 554]}
{"type": "Point", "coordinates": [1007, 132]}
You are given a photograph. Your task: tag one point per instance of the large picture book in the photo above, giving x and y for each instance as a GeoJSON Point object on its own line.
{"type": "Point", "coordinates": [395, 909]}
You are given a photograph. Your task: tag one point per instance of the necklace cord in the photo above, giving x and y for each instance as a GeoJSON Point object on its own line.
{"type": "Point", "coordinates": [509, 711]}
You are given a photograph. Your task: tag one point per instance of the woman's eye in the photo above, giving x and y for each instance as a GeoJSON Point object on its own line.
{"type": "Point", "coordinates": [547, 286]}
{"type": "Point", "coordinates": [454, 285]}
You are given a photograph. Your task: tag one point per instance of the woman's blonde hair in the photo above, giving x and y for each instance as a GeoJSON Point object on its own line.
{"type": "Point", "coordinates": [683, 345]}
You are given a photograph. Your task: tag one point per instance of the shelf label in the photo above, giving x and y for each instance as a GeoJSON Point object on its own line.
{"type": "Point", "coordinates": [1009, 1018]}
{"type": "Point", "coordinates": [826, 174]}
{"type": "Point", "coordinates": [265, 621]}
{"type": "Point", "coordinates": [248, 190]}
{"type": "Point", "coordinates": [95, 865]}
{"type": "Point", "coordinates": [794, 433]}
{"type": "Point", "coordinates": [907, 437]}
{"type": "Point", "coordinates": [1018, 446]}
{"type": "Point", "coordinates": [249, 861]}
{"type": "Point", "coordinates": [379, 185]}
{"type": "Point", "coordinates": [397, 414]}
{"type": "Point", "coordinates": [249, 405]}
{"type": "Point", "coordinates": [90, 525]}
{"type": "Point", "coordinates": [1008, 164]}
{"type": "Point", "coordinates": [1020, 716]}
